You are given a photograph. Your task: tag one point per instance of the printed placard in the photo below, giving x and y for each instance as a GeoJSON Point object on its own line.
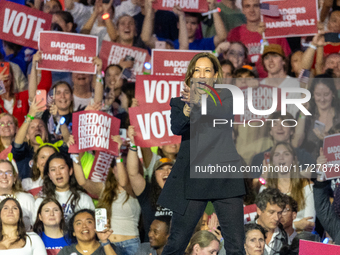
{"type": "Point", "coordinates": [22, 25]}
{"type": "Point", "coordinates": [186, 5]}
{"type": "Point", "coordinates": [262, 99]}
{"type": "Point", "coordinates": [172, 62]}
{"type": "Point", "coordinates": [92, 130]}
{"type": "Point", "coordinates": [67, 52]}
{"type": "Point", "coordinates": [249, 213]}
{"type": "Point", "coordinates": [100, 167]}
{"type": "Point", "coordinates": [297, 18]}
{"type": "Point", "coordinates": [158, 89]}
{"type": "Point", "coordinates": [152, 125]}
{"type": "Point", "coordinates": [112, 53]}
{"type": "Point", "coordinates": [331, 150]}
{"type": "Point", "coordinates": [316, 248]}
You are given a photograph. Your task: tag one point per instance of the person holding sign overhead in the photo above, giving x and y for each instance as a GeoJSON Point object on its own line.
{"type": "Point", "coordinates": [187, 197]}
{"type": "Point", "coordinates": [188, 24]}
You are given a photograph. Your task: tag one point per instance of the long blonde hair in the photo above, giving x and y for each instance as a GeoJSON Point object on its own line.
{"type": "Point", "coordinates": [296, 182]}
{"type": "Point", "coordinates": [15, 121]}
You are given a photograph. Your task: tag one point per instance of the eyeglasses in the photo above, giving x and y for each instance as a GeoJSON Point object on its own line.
{"type": "Point", "coordinates": [235, 54]}
{"type": "Point", "coordinates": [6, 124]}
{"type": "Point", "coordinates": [8, 174]}
{"type": "Point", "coordinates": [285, 211]}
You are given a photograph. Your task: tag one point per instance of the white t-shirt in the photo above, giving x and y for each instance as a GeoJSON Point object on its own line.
{"type": "Point", "coordinates": [8, 104]}
{"type": "Point", "coordinates": [31, 186]}
{"type": "Point", "coordinates": [26, 201]}
{"type": "Point", "coordinates": [34, 246]}
{"type": "Point", "coordinates": [85, 202]}
{"type": "Point", "coordinates": [80, 102]}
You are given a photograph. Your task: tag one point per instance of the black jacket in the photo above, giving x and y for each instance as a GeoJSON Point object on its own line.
{"type": "Point", "coordinates": [210, 146]}
{"type": "Point", "coordinates": [324, 211]}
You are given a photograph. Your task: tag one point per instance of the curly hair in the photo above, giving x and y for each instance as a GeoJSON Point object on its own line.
{"type": "Point", "coordinates": [272, 196]}
{"type": "Point", "coordinates": [49, 187]}
{"type": "Point", "coordinates": [20, 225]}
{"type": "Point", "coordinates": [38, 226]}
{"type": "Point", "coordinates": [155, 190]}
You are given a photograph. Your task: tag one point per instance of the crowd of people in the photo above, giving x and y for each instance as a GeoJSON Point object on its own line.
{"type": "Point", "coordinates": [48, 201]}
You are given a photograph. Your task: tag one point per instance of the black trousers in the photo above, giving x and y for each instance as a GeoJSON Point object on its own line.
{"type": "Point", "coordinates": [230, 215]}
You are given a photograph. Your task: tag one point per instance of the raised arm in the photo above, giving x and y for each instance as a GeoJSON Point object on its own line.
{"type": "Point", "coordinates": [308, 55]}
{"type": "Point", "coordinates": [221, 33]}
{"type": "Point", "coordinates": [183, 38]}
{"type": "Point", "coordinates": [98, 9]}
{"type": "Point", "coordinates": [137, 181]}
{"type": "Point", "coordinates": [120, 171]}
{"type": "Point", "coordinates": [33, 81]}
{"type": "Point", "coordinates": [99, 88]}
{"type": "Point", "coordinates": [148, 25]}
{"type": "Point", "coordinates": [91, 187]}
{"type": "Point", "coordinates": [110, 27]}
{"type": "Point", "coordinates": [21, 134]}
{"type": "Point", "coordinates": [327, 5]}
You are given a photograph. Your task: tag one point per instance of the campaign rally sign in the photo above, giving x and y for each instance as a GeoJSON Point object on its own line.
{"type": "Point", "coordinates": [22, 25]}
{"type": "Point", "coordinates": [100, 167]}
{"type": "Point", "coordinates": [112, 53]}
{"type": "Point", "coordinates": [331, 150]}
{"type": "Point", "coordinates": [152, 125]}
{"type": "Point", "coordinates": [172, 62]}
{"type": "Point", "coordinates": [92, 130]}
{"type": "Point", "coordinates": [297, 18]}
{"type": "Point", "coordinates": [67, 52]}
{"type": "Point", "coordinates": [186, 5]}
{"type": "Point", "coordinates": [262, 98]}
{"type": "Point", "coordinates": [249, 213]}
{"type": "Point", "coordinates": [317, 248]}
{"type": "Point", "coordinates": [158, 89]}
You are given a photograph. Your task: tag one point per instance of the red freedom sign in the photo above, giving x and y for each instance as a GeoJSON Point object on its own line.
{"type": "Point", "coordinates": [157, 89]}
{"type": "Point", "coordinates": [21, 25]}
{"type": "Point", "coordinates": [186, 5]}
{"type": "Point", "coordinates": [316, 248]}
{"type": "Point", "coordinates": [67, 52]}
{"type": "Point", "coordinates": [331, 150]}
{"type": "Point", "coordinates": [112, 53]}
{"type": "Point", "coordinates": [92, 130]}
{"type": "Point", "coordinates": [249, 213]}
{"type": "Point", "coordinates": [172, 62]}
{"type": "Point", "coordinates": [152, 125]}
{"type": "Point", "coordinates": [297, 18]}
{"type": "Point", "coordinates": [262, 99]}
{"type": "Point", "coordinates": [100, 167]}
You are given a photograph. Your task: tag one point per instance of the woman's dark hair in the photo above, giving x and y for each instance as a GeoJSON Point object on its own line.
{"type": "Point", "coordinates": [327, 80]}
{"type": "Point", "coordinates": [49, 187]}
{"type": "Point", "coordinates": [155, 190]}
{"type": "Point", "coordinates": [35, 170]}
{"type": "Point", "coordinates": [228, 63]}
{"type": "Point", "coordinates": [38, 226]}
{"type": "Point", "coordinates": [129, 90]}
{"type": "Point", "coordinates": [15, 47]}
{"type": "Point", "coordinates": [289, 69]}
{"type": "Point", "coordinates": [253, 226]}
{"type": "Point", "coordinates": [245, 49]}
{"type": "Point", "coordinates": [192, 64]}
{"type": "Point", "coordinates": [71, 223]}
{"type": "Point", "coordinates": [20, 225]}
{"type": "Point", "coordinates": [68, 18]}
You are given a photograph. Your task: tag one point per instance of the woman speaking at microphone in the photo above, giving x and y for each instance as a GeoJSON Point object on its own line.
{"type": "Point", "coordinates": [187, 197]}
